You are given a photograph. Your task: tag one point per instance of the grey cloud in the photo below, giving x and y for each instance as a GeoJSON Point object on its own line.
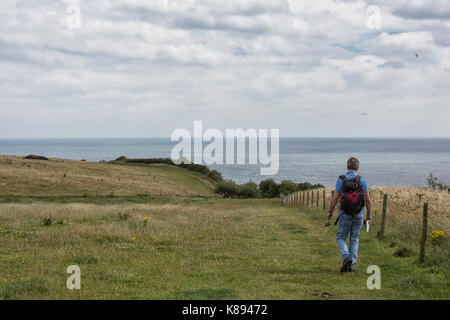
{"type": "Point", "coordinates": [424, 12]}
{"type": "Point", "coordinates": [144, 69]}
{"type": "Point", "coordinates": [393, 64]}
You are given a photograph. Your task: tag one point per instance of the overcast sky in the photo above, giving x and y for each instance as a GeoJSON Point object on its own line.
{"type": "Point", "coordinates": [143, 69]}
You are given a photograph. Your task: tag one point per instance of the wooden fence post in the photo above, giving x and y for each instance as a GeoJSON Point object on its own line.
{"type": "Point", "coordinates": [317, 199]}
{"type": "Point", "coordinates": [307, 198]}
{"type": "Point", "coordinates": [324, 200]}
{"type": "Point", "coordinates": [383, 217]}
{"type": "Point", "coordinates": [312, 198]}
{"type": "Point", "coordinates": [303, 198]}
{"type": "Point", "coordinates": [423, 241]}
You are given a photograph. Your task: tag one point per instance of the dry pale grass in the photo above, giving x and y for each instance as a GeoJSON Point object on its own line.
{"type": "Point", "coordinates": [405, 207]}
{"type": "Point", "coordinates": [56, 177]}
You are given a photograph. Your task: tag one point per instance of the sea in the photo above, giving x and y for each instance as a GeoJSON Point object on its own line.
{"type": "Point", "coordinates": [384, 161]}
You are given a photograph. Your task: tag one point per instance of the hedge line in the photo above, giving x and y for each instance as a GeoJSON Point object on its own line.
{"type": "Point", "coordinates": [266, 189]}
{"type": "Point", "coordinates": [228, 188]}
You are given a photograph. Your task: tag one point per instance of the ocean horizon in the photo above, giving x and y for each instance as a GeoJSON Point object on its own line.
{"type": "Point", "coordinates": [384, 161]}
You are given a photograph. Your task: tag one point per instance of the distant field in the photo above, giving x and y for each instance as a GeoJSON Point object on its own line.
{"type": "Point", "coordinates": [58, 177]}
{"type": "Point", "coordinates": [191, 247]}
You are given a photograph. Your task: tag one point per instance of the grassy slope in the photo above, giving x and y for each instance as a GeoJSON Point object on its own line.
{"type": "Point", "coordinates": [204, 248]}
{"type": "Point", "coordinates": [58, 177]}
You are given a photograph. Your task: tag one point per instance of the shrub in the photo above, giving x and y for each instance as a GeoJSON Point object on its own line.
{"type": "Point", "coordinates": [215, 176]}
{"type": "Point", "coordinates": [227, 188]}
{"type": "Point", "coordinates": [288, 186]}
{"type": "Point", "coordinates": [148, 160]}
{"type": "Point", "coordinates": [434, 184]}
{"type": "Point", "coordinates": [248, 190]}
{"type": "Point", "coordinates": [304, 186]}
{"type": "Point", "coordinates": [269, 188]}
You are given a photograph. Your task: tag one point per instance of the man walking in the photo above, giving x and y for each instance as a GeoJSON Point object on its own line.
{"type": "Point", "coordinates": [353, 193]}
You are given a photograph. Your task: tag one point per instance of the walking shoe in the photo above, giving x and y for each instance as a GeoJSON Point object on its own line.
{"type": "Point", "coordinates": [346, 264]}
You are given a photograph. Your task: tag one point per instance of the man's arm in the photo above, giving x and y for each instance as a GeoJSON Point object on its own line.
{"type": "Point", "coordinates": [334, 199]}
{"type": "Point", "coordinates": [333, 203]}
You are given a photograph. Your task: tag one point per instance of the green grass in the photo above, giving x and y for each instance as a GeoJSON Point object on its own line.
{"type": "Point", "coordinates": [202, 248]}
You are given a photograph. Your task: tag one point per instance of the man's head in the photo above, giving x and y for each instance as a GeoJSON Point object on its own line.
{"type": "Point", "coordinates": [353, 164]}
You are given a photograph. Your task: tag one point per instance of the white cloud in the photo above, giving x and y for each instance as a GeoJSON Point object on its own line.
{"type": "Point", "coordinates": [146, 68]}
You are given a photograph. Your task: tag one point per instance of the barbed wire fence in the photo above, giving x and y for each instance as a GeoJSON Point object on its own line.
{"type": "Point", "coordinates": [413, 218]}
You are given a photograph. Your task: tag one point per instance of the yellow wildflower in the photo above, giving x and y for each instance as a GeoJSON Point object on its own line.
{"type": "Point", "coordinates": [437, 233]}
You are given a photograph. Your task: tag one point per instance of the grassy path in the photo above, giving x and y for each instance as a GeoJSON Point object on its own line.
{"type": "Point", "coordinates": [193, 249]}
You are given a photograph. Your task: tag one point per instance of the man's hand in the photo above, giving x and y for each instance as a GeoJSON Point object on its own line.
{"type": "Point", "coordinates": [368, 217]}
{"type": "Point", "coordinates": [333, 203]}
{"type": "Point", "coordinates": [330, 214]}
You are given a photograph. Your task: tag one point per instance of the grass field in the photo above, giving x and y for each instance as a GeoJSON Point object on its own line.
{"type": "Point", "coordinates": [190, 247]}
{"type": "Point", "coordinates": [58, 177]}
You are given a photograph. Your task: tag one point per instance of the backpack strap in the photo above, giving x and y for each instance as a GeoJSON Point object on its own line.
{"type": "Point", "coordinates": [343, 178]}
{"type": "Point", "coordinates": [362, 188]}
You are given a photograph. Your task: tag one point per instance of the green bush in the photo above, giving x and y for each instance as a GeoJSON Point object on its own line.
{"type": "Point", "coordinates": [269, 188]}
{"type": "Point", "coordinates": [304, 186]}
{"type": "Point", "coordinates": [215, 176]}
{"type": "Point", "coordinates": [288, 186]}
{"type": "Point", "coordinates": [147, 161]}
{"type": "Point", "coordinates": [248, 190]}
{"type": "Point", "coordinates": [230, 189]}
{"type": "Point", "coordinates": [121, 158]}
{"type": "Point", "coordinates": [227, 188]}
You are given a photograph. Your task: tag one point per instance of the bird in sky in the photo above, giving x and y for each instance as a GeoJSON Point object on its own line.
{"type": "Point", "coordinates": [417, 55]}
